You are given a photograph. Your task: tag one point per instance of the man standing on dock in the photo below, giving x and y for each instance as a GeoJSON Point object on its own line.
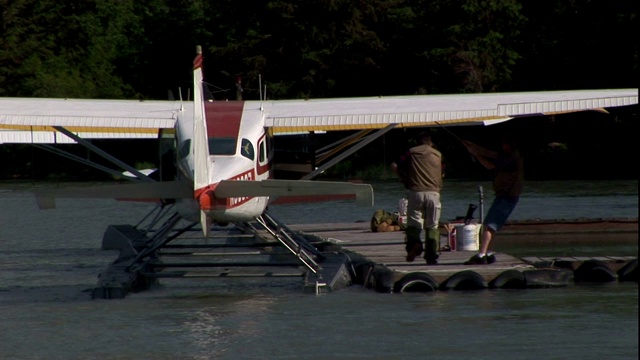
{"type": "Point", "coordinates": [420, 170]}
{"type": "Point", "coordinates": [508, 182]}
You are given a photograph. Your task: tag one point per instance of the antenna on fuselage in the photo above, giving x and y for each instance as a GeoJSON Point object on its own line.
{"type": "Point", "coordinates": [195, 92]}
{"type": "Point", "coordinates": [260, 91]}
{"type": "Point", "coordinates": [180, 96]}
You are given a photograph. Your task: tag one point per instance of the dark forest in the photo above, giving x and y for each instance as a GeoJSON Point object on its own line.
{"type": "Point", "coordinates": [126, 49]}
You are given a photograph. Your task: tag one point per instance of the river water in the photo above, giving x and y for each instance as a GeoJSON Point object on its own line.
{"type": "Point", "coordinates": [50, 260]}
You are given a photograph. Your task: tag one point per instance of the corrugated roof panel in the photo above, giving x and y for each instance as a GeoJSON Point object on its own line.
{"type": "Point", "coordinates": [559, 106]}
{"type": "Point", "coordinates": [441, 108]}
{"type": "Point", "coordinates": [87, 121]}
{"type": "Point", "coordinates": [75, 129]}
{"type": "Point", "coordinates": [26, 137]}
{"type": "Point", "coordinates": [90, 112]}
{"type": "Point", "coordinates": [52, 137]}
{"type": "Point", "coordinates": [352, 121]}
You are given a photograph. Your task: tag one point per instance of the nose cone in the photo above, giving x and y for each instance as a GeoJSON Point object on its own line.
{"type": "Point", "coordinates": [206, 198]}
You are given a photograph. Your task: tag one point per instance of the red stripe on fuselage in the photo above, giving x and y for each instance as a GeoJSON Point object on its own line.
{"type": "Point", "coordinates": [223, 118]}
{"type": "Point", "coordinates": [245, 176]}
{"type": "Point", "coordinates": [208, 201]}
{"type": "Point", "coordinates": [197, 62]}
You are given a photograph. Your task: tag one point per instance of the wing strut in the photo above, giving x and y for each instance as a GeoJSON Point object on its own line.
{"type": "Point", "coordinates": [68, 155]}
{"type": "Point", "coordinates": [347, 153]}
{"type": "Point", "coordinates": [332, 149]}
{"type": "Point", "coordinates": [97, 150]}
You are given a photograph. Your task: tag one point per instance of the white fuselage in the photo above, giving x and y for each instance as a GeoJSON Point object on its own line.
{"type": "Point", "coordinates": [239, 149]}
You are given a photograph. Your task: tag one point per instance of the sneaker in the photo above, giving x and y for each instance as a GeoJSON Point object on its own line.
{"type": "Point", "coordinates": [491, 258]}
{"type": "Point", "coordinates": [477, 259]}
{"type": "Point", "coordinates": [414, 252]}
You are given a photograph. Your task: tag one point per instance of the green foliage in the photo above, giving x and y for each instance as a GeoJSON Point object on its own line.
{"type": "Point", "coordinates": [475, 39]}
{"type": "Point", "coordinates": [63, 49]}
{"type": "Point", "coordinates": [302, 46]}
{"type": "Point", "coordinates": [312, 49]}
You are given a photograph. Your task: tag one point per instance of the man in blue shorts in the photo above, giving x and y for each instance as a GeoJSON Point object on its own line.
{"type": "Point", "coordinates": [508, 182]}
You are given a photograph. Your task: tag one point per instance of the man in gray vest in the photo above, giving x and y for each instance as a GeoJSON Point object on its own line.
{"type": "Point", "coordinates": [420, 170]}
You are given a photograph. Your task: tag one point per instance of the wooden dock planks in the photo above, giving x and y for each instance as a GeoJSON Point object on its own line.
{"type": "Point", "coordinates": [386, 249]}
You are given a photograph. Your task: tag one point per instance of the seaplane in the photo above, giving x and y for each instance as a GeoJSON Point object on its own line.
{"type": "Point", "coordinates": [222, 151]}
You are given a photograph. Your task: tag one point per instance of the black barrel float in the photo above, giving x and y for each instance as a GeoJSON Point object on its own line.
{"type": "Point", "coordinates": [629, 272]}
{"type": "Point", "coordinates": [464, 280]}
{"type": "Point", "coordinates": [595, 271]}
{"type": "Point", "coordinates": [363, 271]}
{"type": "Point", "coordinates": [382, 279]}
{"type": "Point", "coordinates": [509, 279]}
{"type": "Point", "coordinates": [542, 278]}
{"type": "Point", "coordinates": [415, 282]}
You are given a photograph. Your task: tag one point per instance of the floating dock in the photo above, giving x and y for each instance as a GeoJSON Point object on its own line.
{"type": "Point", "coordinates": [330, 257]}
{"type": "Point", "coordinates": [378, 258]}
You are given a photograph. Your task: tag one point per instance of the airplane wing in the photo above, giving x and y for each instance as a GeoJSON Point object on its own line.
{"type": "Point", "coordinates": [291, 116]}
{"type": "Point", "coordinates": [52, 121]}
{"type": "Point", "coordinates": [381, 114]}
{"type": "Point", "coordinates": [55, 121]}
{"type": "Point", "coordinates": [34, 120]}
{"type": "Point", "coordinates": [37, 120]}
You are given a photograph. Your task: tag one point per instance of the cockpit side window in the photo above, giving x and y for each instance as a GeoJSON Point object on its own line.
{"type": "Point", "coordinates": [262, 156]}
{"type": "Point", "coordinates": [247, 150]}
{"type": "Point", "coordinates": [185, 149]}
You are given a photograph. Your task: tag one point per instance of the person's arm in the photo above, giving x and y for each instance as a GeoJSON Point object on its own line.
{"type": "Point", "coordinates": [476, 150]}
{"type": "Point", "coordinates": [401, 167]}
{"type": "Point", "coordinates": [486, 157]}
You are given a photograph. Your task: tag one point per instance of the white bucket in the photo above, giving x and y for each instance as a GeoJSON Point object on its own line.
{"type": "Point", "coordinates": [468, 237]}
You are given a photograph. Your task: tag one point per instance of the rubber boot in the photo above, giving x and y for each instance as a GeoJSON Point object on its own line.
{"type": "Point", "coordinates": [432, 246]}
{"type": "Point", "coordinates": [413, 244]}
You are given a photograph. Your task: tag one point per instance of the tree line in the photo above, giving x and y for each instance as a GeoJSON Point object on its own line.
{"type": "Point", "coordinates": [129, 49]}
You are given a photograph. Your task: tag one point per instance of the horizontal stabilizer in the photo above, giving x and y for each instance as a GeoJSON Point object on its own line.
{"type": "Point", "coordinates": [138, 191]}
{"type": "Point", "coordinates": [233, 188]}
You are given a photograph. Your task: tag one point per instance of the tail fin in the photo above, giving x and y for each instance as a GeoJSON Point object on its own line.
{"type": "Point", "coordinates": [202, 164]}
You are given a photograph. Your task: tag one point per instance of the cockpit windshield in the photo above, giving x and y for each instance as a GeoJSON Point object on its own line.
{"type": "Point", "coordinates": [227, 146]}
{"type": "Point", "coordinates": [222, 146]}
